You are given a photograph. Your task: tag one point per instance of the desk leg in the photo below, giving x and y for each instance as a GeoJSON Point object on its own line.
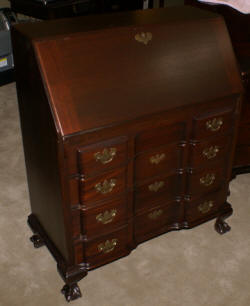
{"type": "Point", "coordinates": [221, 225]}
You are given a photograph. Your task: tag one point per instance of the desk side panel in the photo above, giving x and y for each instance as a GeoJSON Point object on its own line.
{"type": "Point", "coordinates": [41, 145]}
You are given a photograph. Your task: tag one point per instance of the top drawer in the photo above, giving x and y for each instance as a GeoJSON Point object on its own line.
{"type": "Point", "coordinates": [102, 156]}
{"type": "Point", "coordinates": [213, 124]}
{"type": "Point", "coordinates": [159, 137]}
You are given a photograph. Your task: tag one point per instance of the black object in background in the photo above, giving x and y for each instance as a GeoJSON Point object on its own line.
{"type": "Point", "coordinates": [7, 18]}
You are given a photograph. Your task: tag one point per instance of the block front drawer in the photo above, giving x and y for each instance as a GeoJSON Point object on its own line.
{"type": "Point", "coordinates": [105, 218]}
{"type": "Point", "coordinates": [109, 247]}
{"type": "Point", "coordinates": [216, 123]}
{"type": "Point", "coordinates": [206, 180]}
{"type": "Point", "coordinates": [156, 137]}
{"type": "Point", "coordinates": [158, 190]}
{"type": "Point", "coordinates": [102, 156]}
{"type": "Point", "coordinates": [162, 160]}
{"type": "Point", "coordinates": [208, 152]}
{"type": "Point", "coordinates": [103, 187]}
{"type": "Point", "coordinates": [205, 206]}
{"type": "Point", "coordinates": [155, 219]}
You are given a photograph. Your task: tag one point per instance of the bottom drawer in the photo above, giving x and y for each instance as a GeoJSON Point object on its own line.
{"type": "Point", "coordinates": [206, 206]}
{"type": "Point", "coordinates": [154, 221]}
{"type": "Point", "coordinates": [109, 247]}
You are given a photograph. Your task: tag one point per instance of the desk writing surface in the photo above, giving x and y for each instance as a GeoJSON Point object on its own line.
{"type": "Point", "coordinates": [131, 75]}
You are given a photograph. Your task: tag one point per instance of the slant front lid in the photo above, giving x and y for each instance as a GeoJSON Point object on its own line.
{"type": "Point", "coordinates": [101, 77]}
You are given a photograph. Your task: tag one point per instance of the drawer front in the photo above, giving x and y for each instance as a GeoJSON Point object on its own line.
{"type": "Point", "coordinates": [109, 247]}
{"type": "Point", "coordinates": [159, 190]}
{"type": "Point", "coordinates": [205, 206]}
{"type": "Point", "coordinates": [162, 160]}
{"type": "Point", "coordinates": [157, 137]}
{"type": "Point", "coordinates": [154, 219]}
{"type": "Point", "coordinates": [213, 124]}
{"type": "Point", "coordinates": [105, 218]}
{"type": "Point", "coordinates": [208, 152]}
{"type": "Point", "coordinates": [103, 156]}
{"type": "Point", "coordinates": [206, 180]}
{"type": "Point", "coordinates": [103, 187]}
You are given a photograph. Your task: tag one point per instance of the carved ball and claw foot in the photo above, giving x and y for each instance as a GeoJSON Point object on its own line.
{"type": "Point", "coordinates": [71, 292]}
{"type": "Point", "coordinates": [37, 241]}
{"type": "Point", "coordinates": [221, 226]}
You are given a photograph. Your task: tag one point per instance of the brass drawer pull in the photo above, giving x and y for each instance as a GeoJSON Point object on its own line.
{"type": "Point", "coordinates": [205, 207]}
{"type": "Point", "coordinates": [156, 186]}
{"type": "Point", "coordinates": [144, 37]}
{"type": "Point", "coordinates": [156, 159]}
{"type": "Point", "coordinates": [208, 179]}
{"type": "Point", "coordinates": [107, 216]}
{"type": "Point", "coordinates": [210, 152]}
{"type": "Point", "coordinates": [107, 246]}
{"type": "Point", "coordinates": [155, 214]}
{"type": "Point", "coordinates": [106, 156]}
{"type": "Point", "coordinates": [214, 125]}
{"type": "Point", "coordinates": [106, 186]}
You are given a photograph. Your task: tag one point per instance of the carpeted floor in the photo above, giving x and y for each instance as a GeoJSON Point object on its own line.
{"type": "Point", "coordinates": [193, 268]}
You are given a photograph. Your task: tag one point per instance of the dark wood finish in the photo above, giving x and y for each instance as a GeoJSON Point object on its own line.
{"type": "Point", "coordinates": [92, 225]}
{"type": "Point", "coordinates": [88, 187]}
{"type": "Point", "coordinates": [71, 292]}
{"type": "Point", "coordinates": [238, 25]}
{"type": "Point", "coordinates": [201, 131]}
{"type": "Point", "coordinates": [113, 139]}
{"type": "Point", "coordinates": [96, 257]}
{"type": "Point", "coordinates": [197, 210]}
{"type": "Point", "coordinates": [209, 152]}
{"type": "Point", "coordinates": [90, 164]}
{"type": "Point", "coordinates": [221, 225]}
{"type": "Point", "coordinates": [208, 179]}
{"type": "Point", "coordinates": [151, 139]}
{"type": "Point", "coordinates": [37, 241]}
{"type": "Point", "coordinates": [169, 188]}
{"type": "Point", "coordinates": [167, 159]}
{"type": "Point", "coordinates": [154, 219]}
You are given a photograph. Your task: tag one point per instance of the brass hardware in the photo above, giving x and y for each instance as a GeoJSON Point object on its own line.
{"type": "Point", "coordinates": [156, 159]}
{"type": "Point", "coordinates": [208, 179]}
{"type": "Point", "coordinates": [156, 186]}
{"type": "Point", "coordinates": [106, 186]}
{"type": "Point", "coordinates": [107, 246]}
{"type": "Point", "coordinates": [205, 207]}
{"type": "Point", "coordinates": [155, 214]}
{"type": "Point", "coordinates": [106, 156]}
{"type": "Point", "coordinates": [107, 216]}
{"type": "Point", "coordinates": [210, 152]}
{"type": "Point", "coordinates": [144, 37]}
{"type": "Point", "coordinates": [214, 125]}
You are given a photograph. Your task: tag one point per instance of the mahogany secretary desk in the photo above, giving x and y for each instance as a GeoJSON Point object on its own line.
{"type": "Point", "coordinates": [129, 126]}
